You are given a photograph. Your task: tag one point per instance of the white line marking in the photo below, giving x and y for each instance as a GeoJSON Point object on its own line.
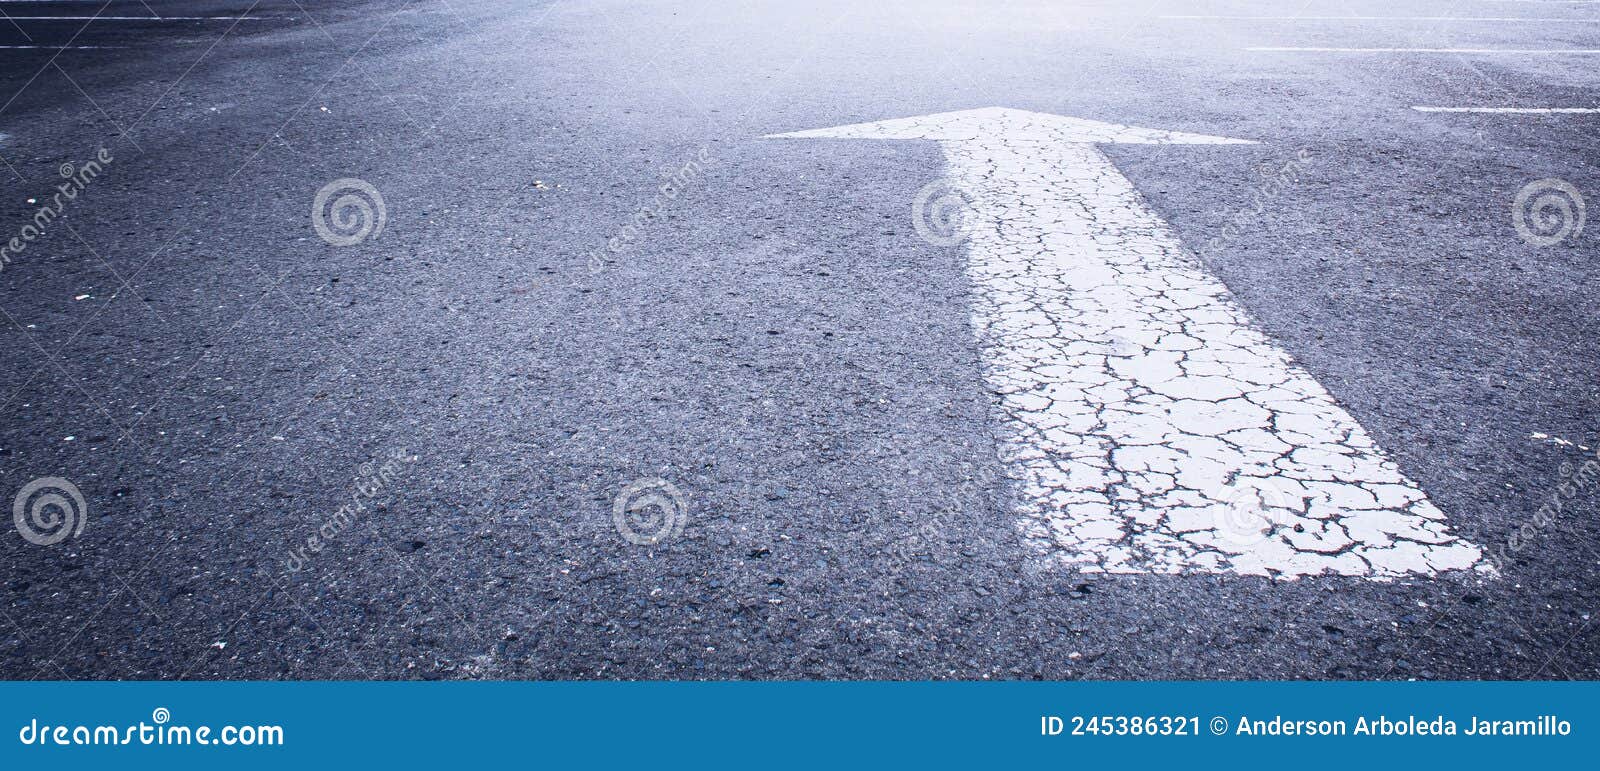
{"type": "Point", "coordinates": [1386, 18]}
{"type": "Point", "coordinates": [1151, 427]}
{"type": "Point", "coordinates": [1538, 436]}
{"type": "Point", "coordinates": [1514, 110]}
{"type": "Point", "coordinates": [139, 18]}
{"type": "Point", "coordinates": [63, 48]}
{"type": "Point", "coordinates": [1292, 49]}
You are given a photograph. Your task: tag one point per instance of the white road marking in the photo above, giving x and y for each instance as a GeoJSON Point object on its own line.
{"type": "Point", "coordinates": [1305, 49]}
{"type": "Point", "coordinates": [136, 18]}
{"type": "Point", "coordinates": [1539, 436]}
{"type": "Point", "coordinates": [62, 48]}
{"type": "Point", "coordinates": [1514, 110]}
{"type": "Point", "coordinates": [1382, 18]}
{"type": "Point", "coordinates": [1152, 428]}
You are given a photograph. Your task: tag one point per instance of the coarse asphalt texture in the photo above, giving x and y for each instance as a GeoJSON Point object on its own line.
{"type": "Point", "coordinates": [485, 376]}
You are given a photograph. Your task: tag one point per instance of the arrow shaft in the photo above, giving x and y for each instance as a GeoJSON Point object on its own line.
{"type": "Point", "coordinates": [1150, 426]}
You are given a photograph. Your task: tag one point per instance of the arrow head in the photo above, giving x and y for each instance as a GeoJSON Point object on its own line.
{"type": "Point", "coordinates": [1012, 125]}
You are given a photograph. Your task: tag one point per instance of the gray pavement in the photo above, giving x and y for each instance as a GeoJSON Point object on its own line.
{"type": "Point", "coordinates": [452, 405]}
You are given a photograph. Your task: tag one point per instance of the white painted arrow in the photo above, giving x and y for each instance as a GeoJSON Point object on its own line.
{"type": "Point", "coordinates": [1151, 427]}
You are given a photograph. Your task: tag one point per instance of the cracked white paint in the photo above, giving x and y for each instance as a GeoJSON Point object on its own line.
{"type": "Point", "coordinates": [1151, 426]}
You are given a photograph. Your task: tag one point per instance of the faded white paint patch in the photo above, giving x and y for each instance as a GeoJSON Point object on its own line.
{"type": "Point", "coordinates": [1322, 49]}
{"type": "Point", "coordinates": [1540, 436]}
{"type": "Point", "coordinates": [1309, 19]}
{"type": "Point", "coordinates": [1152, 428]}
{"type": "Point", "coordinates": [1514, 110]}
{"type": "Point", "coordinates": [15, 17]}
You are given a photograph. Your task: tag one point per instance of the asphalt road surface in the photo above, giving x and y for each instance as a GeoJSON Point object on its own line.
{"type": "Point", "coordinates": [444, 339]}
